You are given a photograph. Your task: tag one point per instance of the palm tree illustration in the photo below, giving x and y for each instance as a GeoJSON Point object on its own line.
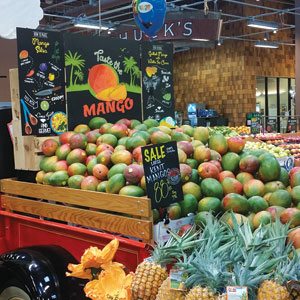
{"type": "Point", "coordinates": [75, 61]}
{"type": "Point", "coordinates": [130, 64]}
{"type": "Point", "coordinates": [136, 73]}
{"type": "Point", "coordinates": [79, 76]}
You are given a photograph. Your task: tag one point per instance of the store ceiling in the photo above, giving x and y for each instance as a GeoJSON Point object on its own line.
{"type": "Point", "coordinates": [60, 15]}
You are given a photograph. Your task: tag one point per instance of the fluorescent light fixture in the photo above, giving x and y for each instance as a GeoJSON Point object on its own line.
{"type": "Point", "coordinates": [266, 44]}
{"type": "Point", "coordinates": [263, 24]}
{"type": "Point", "coordinates": [91, 24]}
{"type": "Point", "coordinates": [201, 40]}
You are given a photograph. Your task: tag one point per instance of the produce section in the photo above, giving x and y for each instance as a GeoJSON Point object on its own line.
{"type": "Point", "coordinates": [227, 179]}
{"type": "Point", "coordinates": [141, 209]}
{"type": "Point", "coordinates": [235, 189]}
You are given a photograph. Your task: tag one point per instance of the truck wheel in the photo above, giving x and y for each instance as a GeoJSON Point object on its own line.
{"type": "Point", "coordinates": [13, 290]}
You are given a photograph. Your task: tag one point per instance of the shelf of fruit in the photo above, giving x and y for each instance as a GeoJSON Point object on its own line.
{"type": "Point", "coordinates": [277, 138]}
{"type": "Point", "coordinates": [242, 130]}
{"type": "Point", "coordinates": [106, 157]}
{"type": "Point", "coordinates": [225, 130]}
{"type": "Point", "coordinates": [226, 181]}
{"type": "Point", "coordinates": [293, 148]}
{"type": "Point", "coordinates": [275, 150]}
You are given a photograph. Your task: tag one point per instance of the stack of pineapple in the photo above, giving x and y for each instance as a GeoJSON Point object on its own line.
{"type": "Point", "coordinates": [221, 256]}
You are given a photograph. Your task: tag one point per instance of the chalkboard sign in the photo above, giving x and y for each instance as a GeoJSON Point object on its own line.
{"type": "Point", "coordinates": [162, 174]}
{"type": "Point", "coordinates": [157, 80]}
{"type": "Point", "coordinates": [291, 125]}
{"type": "Point", "coordinates": [103, 79]}
{"type": "Point", "coordinates": [254, 121]}
{"type": "Point", "coordinates": [271, 125]}
{"type": "Point", "coordinates": [41, 82]}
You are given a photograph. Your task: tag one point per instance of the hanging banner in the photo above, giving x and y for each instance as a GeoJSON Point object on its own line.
{"type": "Point", "coordinates": [103, 79]}
{"type": "Point", "coordinates": [41, 82]}
{"type": "Point", "coordinates": [157, 81]}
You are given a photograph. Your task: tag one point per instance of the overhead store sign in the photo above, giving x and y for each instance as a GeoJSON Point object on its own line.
{"type": "Point", "coordinates": [177, 29]}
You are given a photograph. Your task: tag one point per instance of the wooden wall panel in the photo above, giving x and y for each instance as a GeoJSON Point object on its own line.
{"type": "Point", "coordinates": [216, 77]}
{"type": "Point", "coordinates": [225, 77]}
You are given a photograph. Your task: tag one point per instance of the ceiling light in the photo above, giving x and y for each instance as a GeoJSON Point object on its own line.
{"type": "Point", "coordinates": [263, 24]}
{"type": "Point", "coordinates": [265, 44]}
{"type": "Point", "coordinates": [275, 31]}
{"type": "Point", "coordinates": [201, 40]}
{"type": "Point", "coordinates": [90, 24]}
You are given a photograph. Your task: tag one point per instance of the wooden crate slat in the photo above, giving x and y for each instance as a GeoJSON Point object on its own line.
{"type": "Point", "coordinates": [109, 202]}
{"type": "Point", "coordinates": [127, 226]}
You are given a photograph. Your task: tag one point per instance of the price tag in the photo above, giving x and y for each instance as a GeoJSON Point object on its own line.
{"type": "Point", "coordinates": [237, 293]}
{"type": "Point", "coordinates": [162, 174]}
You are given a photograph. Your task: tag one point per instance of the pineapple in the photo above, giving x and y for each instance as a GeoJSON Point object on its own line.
{"type": "Point", "coordinates": [165, 293]}
{"type": "Point", "coordinates": [150, 275]}
{"type": "Point", "coordinates": [199, 293]}
{"type": "Point", "coordinates": [287, 269]}
{"type": "Point", "coordinates": [271, 290]}
{"type": "Point", "coordinates": [207, 267]}
{"type": "Point", "coordinates": [274, 288]}
{"type": "Point", "coordinates": [294, 289]}
{"type": "Point", "coordinates": [207, 276]}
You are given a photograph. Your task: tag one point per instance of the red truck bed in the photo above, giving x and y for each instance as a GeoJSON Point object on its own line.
{"type": "Point", "coordinates": [17, 231]}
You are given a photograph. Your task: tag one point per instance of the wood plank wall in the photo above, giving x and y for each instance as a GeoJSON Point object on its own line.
{"type": "Point", "coordinates": [225, 77]}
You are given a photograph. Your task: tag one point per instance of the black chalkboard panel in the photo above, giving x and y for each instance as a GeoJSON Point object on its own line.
{"type": "Point", "coordinates": [291, 125]}
{"type": "Point", "coordinates": [41, 82]}
{"type": "Point", "coordinates": [162, 173]}
{"type": "Point", "coordinates": [103, 79]}
{"type": "Point", "coordinates": [157, 80]}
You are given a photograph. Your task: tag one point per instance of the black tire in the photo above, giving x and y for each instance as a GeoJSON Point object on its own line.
{"type": "Point", "coordinates": [14, 290]}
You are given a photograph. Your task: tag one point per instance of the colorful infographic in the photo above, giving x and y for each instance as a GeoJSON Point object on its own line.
{"type": "Point", "coordinates": [157, 81]}
{"type": "Point", "coordinates": [41, 82]}
{"type": "Point", "coordinates": [103, 79]}
{"type": "Point", "coordinates": [162, 174]}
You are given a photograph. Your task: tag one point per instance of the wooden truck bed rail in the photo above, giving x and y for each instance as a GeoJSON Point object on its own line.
{"type": "Point", "coordinates": [128, 216]}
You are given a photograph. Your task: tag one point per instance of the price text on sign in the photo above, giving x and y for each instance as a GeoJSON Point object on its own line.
{"type": "Point", "coordinates": [162, 174]}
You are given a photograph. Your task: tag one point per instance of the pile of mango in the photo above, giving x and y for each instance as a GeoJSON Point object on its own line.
{"type": "Point", "coordinates": [218, 173]}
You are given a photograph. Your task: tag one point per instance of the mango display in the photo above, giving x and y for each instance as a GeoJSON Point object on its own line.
{"type": "Point", "coordinates": [218, 173]}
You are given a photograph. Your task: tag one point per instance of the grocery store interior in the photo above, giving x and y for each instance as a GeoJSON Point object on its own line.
{"type": "Point", "coordinates": [150, 150]}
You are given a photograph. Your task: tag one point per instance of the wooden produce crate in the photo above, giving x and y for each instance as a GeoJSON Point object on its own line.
{"type": "Point", "coordinates": [127, 216]}
{"type": "Point", "coordinates": [27, 149]}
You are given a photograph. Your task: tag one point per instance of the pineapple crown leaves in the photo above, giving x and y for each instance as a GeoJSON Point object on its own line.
{"type": "Point", "coordinates": [253, 271]}
{"type": "Point", "coordinates": [176, 246]}
{"type": "Point", "coordinates": [288, 269]}
{"type": "Point", "coordinates": [257, 267]}
{"type": "Point", "coordinates": [207, 270]}
{"type": "Point", "coordinates": [277, 236]}
{"type": "Point", "coordinates": [215, 234]}
{"type": "Point", "coordinates": [244, 235]}
{"type": "Point", "coordinates": [243, 276]}
{"type": "Point", "coordinates": [272, 236]}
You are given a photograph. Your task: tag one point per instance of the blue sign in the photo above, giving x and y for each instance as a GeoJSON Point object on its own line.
{"type": "Point", "coordinates": [149, 15]}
